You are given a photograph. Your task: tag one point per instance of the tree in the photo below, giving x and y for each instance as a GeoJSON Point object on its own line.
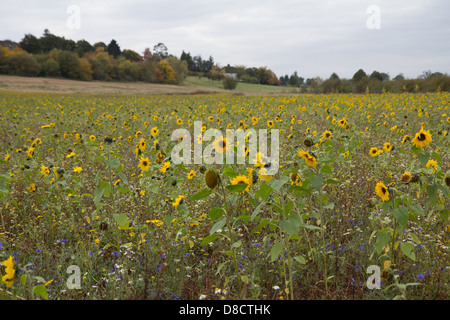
{"type": "Point", "coordinates": [229, 83]}
{"type": "Point", "coordinates": [23, 64]}
{"type": "Point", "coordinates": [83, 47]}
{"type": "Point", "coordinates": [160, 51]}
{"type": "Point", "coordinates": [294, 80]}
{"type": "Point", "coordinates": [114, 49]}
{"type": "Point", "coordinates": [69, 65]}
{"type": "Point", "coordinates": [100, 44]}
{"type": "Point", "coordinates": [167, 73]}
{"type": "Point", "coordinates": [131, 55]}
{"type": "Point", "coordinates": [30, 44]}
{"type": "Point", "coordinates": [359, 75]}
{"type": "Point", "coordinates": [187, 57]}
{"type": "Point", "coordinates": [146, 54]}
{"type": "Point", "coordinates": [376, 76]}
{"type": "Point", "coordinates": [399, 77]}
{"type": "Point", "coordinates": [179, 67]}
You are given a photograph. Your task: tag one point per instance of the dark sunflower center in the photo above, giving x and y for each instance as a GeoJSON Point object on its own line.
{"type": "Point", "coordinates": [384, 190]}
{"type": "Point", "coordinates": [222, 144]}
{"type": "Point", "coordinates": [421, 137]}
{"type": "Point", "coordinates": [145, 163]}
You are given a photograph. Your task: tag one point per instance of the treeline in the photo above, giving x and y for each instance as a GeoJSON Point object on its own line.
{"type": "Point", "coordinates": [376, 82]}
{"type": "Point", "coordinates": [54, 56]}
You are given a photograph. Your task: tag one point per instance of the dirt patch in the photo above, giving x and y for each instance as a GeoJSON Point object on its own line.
{"type": "Point", "coordinates": [51, 85]}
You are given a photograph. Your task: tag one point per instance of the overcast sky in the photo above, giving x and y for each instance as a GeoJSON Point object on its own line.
{"type": "Point", "coordinates": [312, 37]}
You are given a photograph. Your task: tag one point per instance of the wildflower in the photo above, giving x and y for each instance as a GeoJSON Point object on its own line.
{"type": "Point", "coordinates": [422, 138]}
{"type": "Point", "coordinates": [92, 137]}
{"type": "Point", "coordinates": [70, 155]}
{"type": "Point", "coordinates": [144, 164]}
{"type": "Point", "coordinates": [270, 124]}
{"type": "Point", "coordinates": [10, 271]}
{"type": "Point", "coordinates": [77, 169]}
{"type": "Point", "coordinates": [32, 188]}
{"type": "Point", "coordinates": [7, 156]}
{"type": "Point", "coordinates": [179, 121]}
{"type": "Point", "coordinates": [178, 201]}
{"type": "Point", "coordinates": [191, 174]}
{"type": "Point", "coordinates": [241, 180]}
{"type": "Point", "coordinates": [154, 132]}
{"type": "Point", "coordinates": [432, 163]}
{"type": "Point", "coordinates": [382, 191]}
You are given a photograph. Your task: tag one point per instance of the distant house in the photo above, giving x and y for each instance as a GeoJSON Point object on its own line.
{"type": "Point", "coordinates": [230, 72]}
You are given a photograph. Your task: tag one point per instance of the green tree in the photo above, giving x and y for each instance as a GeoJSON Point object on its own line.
{"type": "Point", "coordinates": [30, 44]}
{"type": "Point", "coordinates": [83, 47]}
{"type": "Point", "coordinates": [69, 65]}
{"type": "Point", "coordinates": [114, 49]}
{"type": "Point", "coordinates": [229, 83]}
{"type": "Point", "coordinates": [23, 64]}
{"type": "Point", "coordinates": [131, 55]}
{"type": "Point", "coordinates": [179, 67]}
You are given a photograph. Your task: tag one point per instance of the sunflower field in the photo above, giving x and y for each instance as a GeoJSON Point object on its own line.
{"type": "Point", "coordinates": [93, 207]}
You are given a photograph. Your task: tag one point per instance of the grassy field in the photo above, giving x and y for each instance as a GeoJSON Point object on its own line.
{"type": "Point", "coordinates": [90, 195]}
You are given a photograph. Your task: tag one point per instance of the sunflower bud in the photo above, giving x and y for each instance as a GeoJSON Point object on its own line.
{"type": "Point", "coordinates": [211, 179]}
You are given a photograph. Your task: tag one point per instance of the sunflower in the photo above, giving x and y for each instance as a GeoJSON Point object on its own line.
{"type": "Point", "coordinates": [326, 134]}
{"type": "Point", "coordinates": [447, 180]}
{"type": "Point", "coordinates": [92, 137]}
{"type": "Point", "coordinates": [422, 138]}
{"type": "Point", "coordinates": [30, 152]}
{"type": "Point", "coordinates": [32, 188]}
{"type": "Point", "coordinates": [406, 138]}
{"type": "Point", "coordinates": [45, 170]}
{"type": "Point", "coordinates": [342, 123]}
{"type": "Point", "coordinates": [142, 144]}
{"type": "Point", "coordinates": [270, 124]}
{"type": "Point", "coordinates": [295, 178]}
{"type": "Point", "coordinates": [154, 132]}
{"type": "Point", "coordinates": [178, 201]}
{"type": "Point", "coordinates": [406, 178]}
{"type": "Point", "coordinates": [432, 163]}
{"type": "Point", "coordinates": [382, 191]}
{"type": "Point", "coordinates": [309, 158]}
{"type": "Point", "coordinates": [179, 121]}
{"type": "Point", "coordinates": [144, 164]}
{"type": "Point", "coordinates": [164, 167]}
{"type": "Point", "coordinates": [191, 174]}
{"type": "Point", "coordinates": [241, 180]}
{"type": "Point", "coordinates": [387, 146]}
{"type": "Point", "coordinates": [221, 145]}
{"type": "Point", "coordinates": [77, 169]}
{"type": "Point", "coordinates": [160, 157]}
{"type": "Point", "coordinates": [374, 152]}
{"type": "Point", "coordinates": [10, 272]}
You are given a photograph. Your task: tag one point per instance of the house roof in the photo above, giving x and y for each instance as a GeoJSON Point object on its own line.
{"type": "Point", "coordinates": [229, 69]}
